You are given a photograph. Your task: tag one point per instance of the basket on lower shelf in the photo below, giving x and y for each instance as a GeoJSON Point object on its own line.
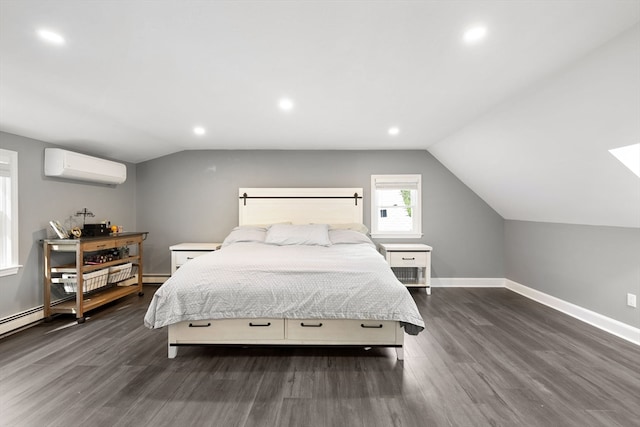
{"type": "Point", "coordinates": [91, 281]}
{"type": "Point", "coordinates": [406, 274]}
{"type": "Point", "coordinates": [119, 273]}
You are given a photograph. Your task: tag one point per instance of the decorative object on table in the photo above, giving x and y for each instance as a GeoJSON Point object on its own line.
{"type": "Point", "coordinates": [60, 231]}
{"type": "Point", "coordinates": [85, 213]}
{"type": "Point", "coordinates": [93, 230]}
{"type": "Point", "coordinates": [76, 232]}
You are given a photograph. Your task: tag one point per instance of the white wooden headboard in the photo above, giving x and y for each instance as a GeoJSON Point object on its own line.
{"type": "Point", "coordinates": [299, 205]}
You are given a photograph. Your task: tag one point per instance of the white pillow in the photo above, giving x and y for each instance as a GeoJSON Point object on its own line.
{"type": "Point", "coordinates": [308, 234]}
{"type": "Point", "coordinates": [355, 226]}
{"type": "Point", "coordinates": [339, 237]}
{"type": "Point", "coordinates": [245, 234]}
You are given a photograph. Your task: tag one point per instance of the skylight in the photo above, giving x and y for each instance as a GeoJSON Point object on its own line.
{"type": "Point", "coordinates": [629, 156]}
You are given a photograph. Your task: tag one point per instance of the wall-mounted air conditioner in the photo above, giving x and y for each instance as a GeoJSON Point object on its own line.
{"type": "Point", "coordinates": [67, 164]}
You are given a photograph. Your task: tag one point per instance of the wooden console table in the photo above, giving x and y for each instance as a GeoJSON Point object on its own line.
{"type": "Point", "coordinates": [75, 274]}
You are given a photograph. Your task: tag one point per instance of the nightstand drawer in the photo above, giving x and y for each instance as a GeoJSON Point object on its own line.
{"type": "Point", "coordinates": [184, 252]}
{"type": "Point", "coordinates": [183, 256]}
{"type": "Point", "coordinates": [408, 259]}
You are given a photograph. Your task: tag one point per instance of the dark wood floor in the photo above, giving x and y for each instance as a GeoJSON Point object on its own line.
{"type": "Point", "coordinates": [488, 357]}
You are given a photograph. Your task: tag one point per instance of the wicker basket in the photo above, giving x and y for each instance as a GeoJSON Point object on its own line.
{"type": "Point", "coordinates": [119, 273]}
{"type": "Point", "coordinates": [91, 281]}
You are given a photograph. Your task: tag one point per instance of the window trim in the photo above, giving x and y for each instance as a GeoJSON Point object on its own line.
{"type": "Point", "coordinates": [413, 179]}
{"type": "Point", "coordinates": [13, 266]}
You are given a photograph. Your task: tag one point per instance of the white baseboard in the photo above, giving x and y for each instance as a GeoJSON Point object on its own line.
{"type": "Point", "coordinates": [465, 282]}
{"type": "Point", "coordinates": [155, 278]}
{"type": "Point", "coordinates": [605, 323]}
{"type": "Point", "coordinates": [20, 320]}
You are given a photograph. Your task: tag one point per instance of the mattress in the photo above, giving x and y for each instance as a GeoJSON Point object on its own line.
{"type": "Point", "coordinates": [259, 280]}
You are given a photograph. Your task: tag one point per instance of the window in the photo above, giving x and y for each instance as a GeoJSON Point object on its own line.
{"type": "Point", "coordinates": [396, 206]}
{"type": "Point", "coordinates": [8, 212]}
{"type": "Point", "coordinates": [628, 156]}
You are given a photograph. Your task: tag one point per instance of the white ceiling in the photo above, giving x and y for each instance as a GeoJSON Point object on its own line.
{"type": "Point", "coordinates": [135, 77]}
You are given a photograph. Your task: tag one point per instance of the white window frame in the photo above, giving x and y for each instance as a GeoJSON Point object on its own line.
{"type": "Point", "coordinates": [409, 181]}
{"type": "Point", "coordinates": [9, 227]}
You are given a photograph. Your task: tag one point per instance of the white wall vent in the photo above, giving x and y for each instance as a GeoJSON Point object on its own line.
{"type": "Point", "coordinates": [67, 164]}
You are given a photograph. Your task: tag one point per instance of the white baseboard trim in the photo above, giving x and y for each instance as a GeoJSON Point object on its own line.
{"type": "Point", "coordinates": [155, 278]}
{"type": "Point", "coordinates": [467, 282]}
{"type": "Point", "coordinates": [20, 320]}
{"type": "Point", "coordinates": [605, 323]}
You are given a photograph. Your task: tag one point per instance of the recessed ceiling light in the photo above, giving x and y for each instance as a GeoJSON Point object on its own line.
{"type": "Point", "coordinates": [475, 34]}
{"type": "Point", "coordinates": [393, 131]}
{"type": "Point", "coordinates": [51, 37]}
{"type": "Point", "coordinates": [629, 156]}
{"type": "Point", "coordinates": [199, 130]}
{"type": "Point", "coordinates": [285, 104]}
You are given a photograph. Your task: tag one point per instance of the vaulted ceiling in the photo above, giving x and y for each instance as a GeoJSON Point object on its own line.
{"type": "Point", "coordinates": [524, 116]}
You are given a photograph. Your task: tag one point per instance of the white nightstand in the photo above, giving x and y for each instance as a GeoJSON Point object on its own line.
{"type": "Point", "coordinates": [184, 252]}
{"type": "Point", "coordinates": [411, 263]}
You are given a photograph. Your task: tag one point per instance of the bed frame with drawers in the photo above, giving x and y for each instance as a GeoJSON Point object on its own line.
{"type": "Point", "coordinates": [298, 205]}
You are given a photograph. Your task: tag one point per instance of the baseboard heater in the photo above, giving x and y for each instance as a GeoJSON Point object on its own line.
{"type": "Point", "coordinates": [20, 320]}
{"type": "Point", "coordinates": [19, 315]}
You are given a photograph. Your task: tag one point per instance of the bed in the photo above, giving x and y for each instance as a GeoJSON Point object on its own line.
{"type": "Point", "coordinates": [298, 270]}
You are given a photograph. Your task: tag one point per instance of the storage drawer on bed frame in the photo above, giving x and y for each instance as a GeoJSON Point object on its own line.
{"type": "Point", "coordinates": [335, 331]}
{"type": "Point", "coordinates": [227, 330]}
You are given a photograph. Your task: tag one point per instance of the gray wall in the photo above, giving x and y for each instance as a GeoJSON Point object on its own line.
{"type": "Point", "coordinates": [42, 199]}
{"type": "Point", "coordinates": [192, 197]}
{"type": "Point", "coordinates": [591, 266]}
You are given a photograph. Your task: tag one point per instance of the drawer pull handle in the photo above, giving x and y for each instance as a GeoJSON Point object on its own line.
{"type": "Point", "coordinates": [362, 325]}
{"type": "Point", "coordinates": [309, 325]}
{"type": "Point", "coordinates": [253, 325]}
{"type": "Point", "coordinates": [189, 257]}
{"type": "Point", "coordinates": [191, 325]}
{"type": "Point", "coordinates": [101, 246]}
{"type": "Point", "coordinates": [408, 259]}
